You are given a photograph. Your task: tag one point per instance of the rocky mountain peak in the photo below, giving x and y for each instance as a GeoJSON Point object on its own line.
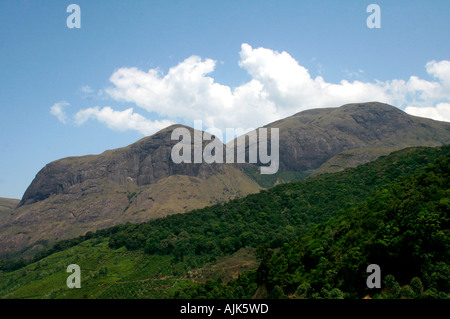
{"type": "Point", "coordinates": [144, 162]}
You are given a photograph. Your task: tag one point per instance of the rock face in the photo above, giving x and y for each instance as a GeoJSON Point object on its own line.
{"type": "Point", "coordinates": [310, 138]}
{"type": "Point", "coordinates": [71, 196]}
{"type": "Point", "coordinates": [144, 162]}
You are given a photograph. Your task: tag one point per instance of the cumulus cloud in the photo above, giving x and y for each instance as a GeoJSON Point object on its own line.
{"type": "Point", "coordinates": [185, 92]}
{"type": "Point", "coordinates": [279, 87]}
{"type": "Point", "coordinates": [441, 71]}
{"type": "Point", "coordinates": [290, 87]}
{"type": "Point", "coordinates": [58, 111]}
{"type": "Point", "coordinates": [439, 113]}
{"type": "Point", "coordinates": [121, 120]}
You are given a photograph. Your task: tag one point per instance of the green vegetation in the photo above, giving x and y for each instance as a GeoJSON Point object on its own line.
{"type": "Point", "coordinates": [350, 158]}
{"type": "Point", "coordinates": [403, 228]}
{"type": "Point", "coordinates": [274, 216]}
{"type": "Point", "coordinates": [104, 272]}
{"type": "Point", "coordinates": [393, 212]}
{"type": "Point", "coordinates": [270, 180]}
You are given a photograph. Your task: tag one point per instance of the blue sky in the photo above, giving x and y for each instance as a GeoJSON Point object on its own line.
{"type": "Point", "coordinates": [136, 66]}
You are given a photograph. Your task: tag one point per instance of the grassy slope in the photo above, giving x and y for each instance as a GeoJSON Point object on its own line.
{"type": "Point", "coordinates": [7, 204]}
{"type": "Point", "coordinates": [103, 271]}
{"type": "Point", "coordinates": [115, 273]}
{"type": "Point", "coordinates": [120, 273]}
{"type": "Point", "coordinates": [350, 158]}
{"type": "Point", "coordinates": [270, 180]}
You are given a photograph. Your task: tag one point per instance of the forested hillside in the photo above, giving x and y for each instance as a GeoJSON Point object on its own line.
{"type": "Point", "coordinates": [392, 212]}
{"type": "Point", "coordinates": [403, 228]}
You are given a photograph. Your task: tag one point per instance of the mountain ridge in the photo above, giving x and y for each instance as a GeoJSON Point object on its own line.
{"type": "Point", "coordinates": [309, 138]}
{"type": "Point", "coordinates": [138, 182]}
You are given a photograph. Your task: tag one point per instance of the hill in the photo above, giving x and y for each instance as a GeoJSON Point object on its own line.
{"type": "Point", "coordinates": [403, 228]}
{"type": "Point", "coordinates": [328, 140]}
{"type": "Point", "coordinates": [140, 182]}
{"type": "Point", "coordinates": [310, 138]}
{"type": "Point", "coordinates": [72, 196]}
{"type": "Point", "coordinates": [170, 257]}
{"type": "Point", "coordinates": [8, 204]}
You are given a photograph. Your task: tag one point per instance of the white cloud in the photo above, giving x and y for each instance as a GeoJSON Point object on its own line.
{"type": "Point", "coordinates": [441, 71]}
{"type": "Point", "coordinates": [86, 89]}
{"type": "Point", "coordinates": [279, 87]}
{"type": "Point", "coordinates": [439, 113]}
{"type": "Point", "coordinates": [121, 120]}
{"type": "Point", "coordinates": [184, 92]}
{"type": "Point", "coordinates": [57, 110]}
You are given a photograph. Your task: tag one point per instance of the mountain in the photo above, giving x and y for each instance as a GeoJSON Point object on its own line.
{"type": "Point", "coordinates": [7, 204]}
{"type": "Point", "coordinates": [72, 196]}
{"type": "Point", "coordinates": [143, 163]}
{"type": "Point", "coordinates": [361, 131]}
{"type": "Point", "coordinates": [383, 208]}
